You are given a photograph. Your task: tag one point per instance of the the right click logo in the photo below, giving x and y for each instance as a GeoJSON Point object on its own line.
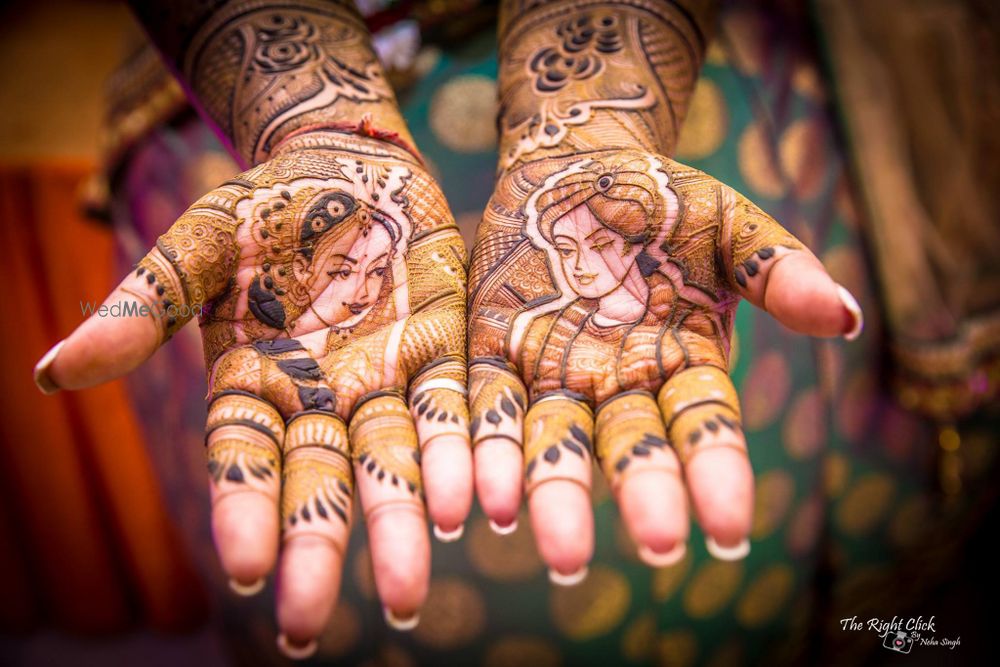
{"type": "Point", "coordinates": [901, 642]}
{"type": "Point", "coordinates": [901, 634]}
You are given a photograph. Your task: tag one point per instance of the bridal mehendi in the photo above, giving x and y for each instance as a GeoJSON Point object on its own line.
{"type": "Point", "coordinates": [329, 285]}
{"type": "Point", "coordinates": [605, 276]}
{"type": "Point", "coordinates": [629, 254]}
{"type": "Point", "coordinates": [263, 69]}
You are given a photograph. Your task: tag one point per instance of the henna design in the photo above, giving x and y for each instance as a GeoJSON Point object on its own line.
{"type": "Point", "coordinates": [498, 400]}
{"type": "Point", "coordinates": [438, 400]}
{"type": "Point", "coordinates": [631, 436]}
{"type": "Point", "coordinates": [605, 273]}
{"type": "Point", "coordinates": [319, 482]}
{"type": "Point", "coordinates": [559, 427]}
{"type": "Point", "coordinates": [578, 55]}
{"type": "Point", "coordinates": [243, 439]}
{"type": "Point", "coordinates": [264, 70]}
{"type": "Point", "coordinates": [701, 410]}
{"type": "Point", "coordinates": [615, 73]}
{"type": "Point", "coordinates": [385, 444]}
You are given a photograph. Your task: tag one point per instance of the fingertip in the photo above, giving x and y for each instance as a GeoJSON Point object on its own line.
{"type": "Point", "coordinates": [446, 536]}
{"type": "Point", "coordinates": [722, 490]}
{"type": "Point", "coordinates": [400, 552]}
{"type": "Point", "coordinates": [499, 479]}
{"type": "Point", "coordinates": [803, 297]}
{"type": "Point", "coordinates": [736, 550]}
{"type": "Point", "coordinates": [563, 524]}
{"type": "Point", "coordinates": [503, 529]}
{"type": "Point", "coordinates": [447, 471]}
{"type": "Point", "coordinates": [307, 585]}
{"type": "Point", "coordinates": [398, 622]}
{"type": "Point", "coordinates": [856, 318]}
{"type": "Point", "coordinates": [667, 558]}
{"type": "Point", "coordinates": [568, 578]}
{"type": "Point", "coordinates": [295, 650]}
{"type": "Point", "coordinates": [654, 509]}
{"type": "Point", "coordinates": [119, 335]}
{"type": "Point", "coordinates": [245, 529]}
{"type": "Point", "coordinates": [42, 373]}
{"type": "Point", "coordinates": [246, 589]}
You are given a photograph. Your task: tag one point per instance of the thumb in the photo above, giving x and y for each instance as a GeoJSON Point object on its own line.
{"type": "Point", "coordinates": [776, 272]}
{"type": "Point", "coordinates": [189, 266]}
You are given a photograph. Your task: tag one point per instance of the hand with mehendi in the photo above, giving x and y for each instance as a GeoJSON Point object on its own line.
{"type": "Point", "coordinates": [603, 287]}
{"type": "Point", "coordinates": [329, 281]}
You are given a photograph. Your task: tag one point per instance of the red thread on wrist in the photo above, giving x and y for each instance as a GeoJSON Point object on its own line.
{"type": "Point", "coordinates": [363, 128]}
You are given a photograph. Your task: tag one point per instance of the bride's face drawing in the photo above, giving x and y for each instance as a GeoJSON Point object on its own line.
{"type": "Point", "coordinates": [356, 276]}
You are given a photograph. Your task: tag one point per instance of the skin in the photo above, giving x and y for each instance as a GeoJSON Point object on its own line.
{"type": "Point", "coordinates": [352, 279]}
{"type": "Point", "coordinates": [598, 263]}
{"type": "Point", "coordinates": [249, 527]}
{"type": "Point", "coordinates": [339, 136]}
{"type": "Point", "coordinates": [540, 359]}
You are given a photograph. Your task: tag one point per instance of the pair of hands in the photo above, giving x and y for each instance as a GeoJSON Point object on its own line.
{"type": "Point", "coordinates": [341, 338]}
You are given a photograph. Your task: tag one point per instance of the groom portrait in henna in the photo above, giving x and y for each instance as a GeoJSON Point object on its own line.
{"type": "Point", "coordinates": [353, 343]}
{"type": "Point", "coordinates": [603, 285]}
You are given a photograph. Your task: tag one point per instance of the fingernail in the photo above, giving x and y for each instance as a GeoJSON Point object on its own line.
{"type": "Point", "coordinates": [42, 379]}
{"type": "Point", "coordinates": [246, 590]}
{"type": "Point", "coordinates": [446, 536]}
{"type": "Point", "coordinates": [571, 579]}
{"type": "Point", "coordinates": [736, 552]}
{"type": "Point", "coordinates": [404, 624]}
{"type": "Point", "coordinates": [503, 530]}
{"type": "Point", "coordinates": [294, 651]}
{"type": "Point", "coordinates": [852, 306]}
{"type": "Point", "coordinates": [666, 559]}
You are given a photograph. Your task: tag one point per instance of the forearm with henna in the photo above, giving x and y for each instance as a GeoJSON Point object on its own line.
{"type": "Point", "coordinates": [588, 75]}
{"type": "Point", "coordinates": [262, 70]}
{"type": "Point", "coordinates": [605, 275]}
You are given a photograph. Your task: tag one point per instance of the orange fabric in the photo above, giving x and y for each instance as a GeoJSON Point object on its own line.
{"type": "Point", "coordinates": [85, 541]}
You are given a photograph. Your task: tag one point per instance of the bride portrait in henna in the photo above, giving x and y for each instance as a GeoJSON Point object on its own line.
{"type": "Point", "coordinates": [529, 332]}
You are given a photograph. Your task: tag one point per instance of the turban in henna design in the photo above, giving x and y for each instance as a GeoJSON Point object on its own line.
{"type": "Point", "coordinates": [622, 196]}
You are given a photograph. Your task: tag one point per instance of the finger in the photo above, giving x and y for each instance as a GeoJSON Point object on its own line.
{"type": "Point", "coordinates": [316, 516]}
{"type": "Point", "coordinates": [558, 435]}
{"type": "Point", "coordinates": [244, 460]}
{"type": "Point", "coordinates": [497, 399]}
{"type": "Point", "coordinates": [387, 467]}
{"type": "Point", "coordinates": [774, 271]}
{"type": "Point", "coordinates": [441, 415]}
{"type": "Point", "coordinates": [190, 265]}
{"type": "Point", "coordinates": [645, 476]}
{"type": "Point", "coordinates": [701, 411]}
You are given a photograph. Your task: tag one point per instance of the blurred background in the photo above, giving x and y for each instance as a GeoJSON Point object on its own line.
{"type": "Point", "coordinates": [868, 129]}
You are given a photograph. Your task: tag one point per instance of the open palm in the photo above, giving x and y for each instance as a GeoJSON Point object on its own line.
{"type": "Point", "coordinates": [330, 286]}
{"type": "Point", "coordinates": [603, 291]}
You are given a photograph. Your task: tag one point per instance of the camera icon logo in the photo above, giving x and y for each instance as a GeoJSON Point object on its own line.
{"type": "Point", "coordinates": [899, 642]}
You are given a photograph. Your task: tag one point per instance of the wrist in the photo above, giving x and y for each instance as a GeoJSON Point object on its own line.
{"type": "Point", "coordinates": [260, 71]}
{"type": "Point", "coordinates": [583, 75]}
{"type": "Point", "coordinates": [363, 137]}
